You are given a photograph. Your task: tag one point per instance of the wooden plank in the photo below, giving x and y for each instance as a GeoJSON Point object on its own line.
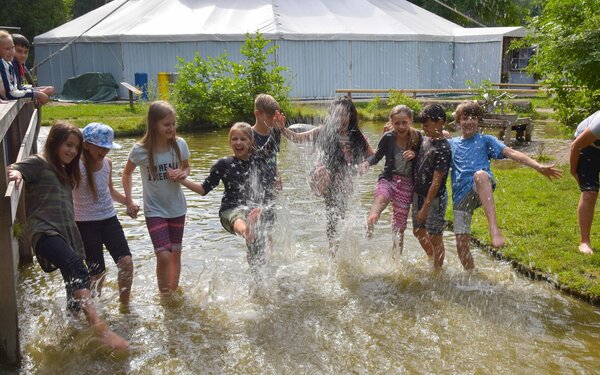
{"type": "Point", "coordinates": [8, 113]}
{"type": "Point", "coordinates": [131, 88]}
{"type": "Point", "coordinates": [434, 91]}
{"type": "Point", "coordinates": [9, 322]}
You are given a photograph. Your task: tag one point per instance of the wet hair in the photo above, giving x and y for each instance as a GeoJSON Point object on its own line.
{"type": "Point", "coordinates": [59, 133]}
{"type": "Point", "coordinates": [413, 137]}
{"type": "Point", "coordinates": [243, 127]}
{"type": "Point", "coordinates": [265, 103]}
{"type": "Point", "coordinates": [329, 139]}
{"type": "Point", "coordinates": [432, 112]}
{"type": "Point", "coordinates": [20, 40]}
{"type": "Point", "coordinates": [468, 109]}
{"type": "Point", "coordinates": [158, 110]}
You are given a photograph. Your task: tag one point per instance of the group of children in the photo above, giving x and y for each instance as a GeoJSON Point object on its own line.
{"type": "Point", "coordinates": [14, 51]}
{"type": "Point", "coordinates": [416, 170]}
{"type": "Point", "coordinates": [70, 192]}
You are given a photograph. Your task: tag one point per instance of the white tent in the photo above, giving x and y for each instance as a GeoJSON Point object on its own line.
{"type": "Point", "coordinates": [356, 43]}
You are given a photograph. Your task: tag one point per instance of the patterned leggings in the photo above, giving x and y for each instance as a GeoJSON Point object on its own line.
{"type": "Point", "coordinates": [400, 192]}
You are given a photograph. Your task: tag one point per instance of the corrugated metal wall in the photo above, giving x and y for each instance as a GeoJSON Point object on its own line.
{"type": "Point", "coordinates": [77, 59]}
{"type": "Point", "coordinates": [476, 62]}
{"type": "Point", "coordinates": [315, 68]}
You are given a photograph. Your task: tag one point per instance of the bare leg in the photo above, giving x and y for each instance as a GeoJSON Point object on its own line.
{"type": "Point", "coordinates": [379, 205]}
{"type": "Point", "coordinates": [125, 278]}
{"type": "Point", "coordinates": [101, 330]}
{"type": "Point", "coordinates": [486, 196]}
{"type": "Point", "coordinates": [439, 251]}
{"type": "Point", "coordinates": [174, 269]}
{"type": "Point", "coordinates": [464, 253]}
{"type": "Point", "coordinates": [585, 216]}
{"type": "Point", "coordinates": [163, 262]}
{"type": "Point", "coordinates": [97, 281]}
{"type": "Point", "coordinates": [424, 240]}
{"type": "Point", "coordinates": [397, 243]}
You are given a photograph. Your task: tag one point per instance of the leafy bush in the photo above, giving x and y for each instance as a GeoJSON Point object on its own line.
{"type": "Point", "coordinates": [217, 91]}
{"type": "Point", "coordinates": [567, 39]}
{"type": "Point", "coordinates": [397, 97]}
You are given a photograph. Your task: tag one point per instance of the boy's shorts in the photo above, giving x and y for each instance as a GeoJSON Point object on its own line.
{"type": "Point", "coordinates": [588, 169]}
{"type": "Point", "coordinates": [166, 233]}
{"type": "Point", "coordinates": [463, 210]}
{"type": "Point", "coordinates": [436, 222]}
{"type": "Point", "coordinates": [230, 215]}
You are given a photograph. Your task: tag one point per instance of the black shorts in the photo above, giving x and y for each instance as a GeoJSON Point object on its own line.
{"type": "Point", "coordinates": [96, 234]}
{"type": "Point", "coordinates": [588, 169]}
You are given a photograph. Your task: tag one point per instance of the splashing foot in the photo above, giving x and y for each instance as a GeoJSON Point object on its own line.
{"type": "Point", "coordinates": [397, 244]}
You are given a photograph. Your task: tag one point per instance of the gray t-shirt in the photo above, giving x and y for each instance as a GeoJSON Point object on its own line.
{"type": "Point", "coordinates": [593, 123]}
{"type": "Point", "coordinates": [162, 197]}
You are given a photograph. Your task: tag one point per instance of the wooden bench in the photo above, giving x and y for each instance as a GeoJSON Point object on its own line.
{"type": "Point", "coordinates": [132, 90]}
{"type": "Point", "coordinates": [507, 123]}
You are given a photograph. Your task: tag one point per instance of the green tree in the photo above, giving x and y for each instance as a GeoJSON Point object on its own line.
{"type": "Point", "coordinates": [33, 17]}
{"type": "Point", "coordinates": [217, 91]}
{"type": "Point", "coordinates": [567, 38]}
{"type": "Point", "coordinates": [81, 7]}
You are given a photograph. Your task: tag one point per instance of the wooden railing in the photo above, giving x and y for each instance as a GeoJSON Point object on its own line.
{"type": "Point", "coordinates": [415, 92]}
{"type": "Point", "coordinates": [19, 127]}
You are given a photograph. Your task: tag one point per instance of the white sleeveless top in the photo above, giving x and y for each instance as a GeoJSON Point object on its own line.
{"type": "Point", "coordinates": [85, 207]}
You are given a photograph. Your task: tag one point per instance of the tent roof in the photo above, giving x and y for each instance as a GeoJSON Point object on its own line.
{"type": "Point", "coordinates": [222, 20]}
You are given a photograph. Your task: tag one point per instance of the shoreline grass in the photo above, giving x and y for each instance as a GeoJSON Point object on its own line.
{"type": "Point", "coordinates": [538, 218]}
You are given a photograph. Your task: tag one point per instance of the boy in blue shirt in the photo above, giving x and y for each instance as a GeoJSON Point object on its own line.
{"type": "Point", "coordinates": [472, 179]}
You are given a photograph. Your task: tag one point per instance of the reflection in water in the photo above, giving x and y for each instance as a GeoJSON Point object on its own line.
{"type": "Point", "coordinates": [361, 313]}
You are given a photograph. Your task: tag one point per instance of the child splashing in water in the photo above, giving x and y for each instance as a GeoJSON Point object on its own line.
{"type": "Point", "coordinates": [247, 178]}
{"type": "Point", "coordinates": [95, 213]}
{"type": "Point", "coordinates": [341, 146]}
{"type": "Point", "coordinates": [50, 178]}
{"type": "Point", "coordinates": [395, 183]}
{"type": "Point", "coordinates": [164, 202]}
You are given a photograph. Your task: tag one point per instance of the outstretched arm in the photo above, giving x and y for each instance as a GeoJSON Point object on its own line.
{"type": "Point", "coordinates": [547, 170]}
{"type": "Point", "coordinates": [303, 137]}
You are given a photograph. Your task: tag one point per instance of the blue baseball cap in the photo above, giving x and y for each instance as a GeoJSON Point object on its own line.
{"type": "Point", "coordinates": [100, 135]}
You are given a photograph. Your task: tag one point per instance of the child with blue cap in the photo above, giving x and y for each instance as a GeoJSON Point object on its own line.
{"type": "Point", "coordinates": [95, 213]}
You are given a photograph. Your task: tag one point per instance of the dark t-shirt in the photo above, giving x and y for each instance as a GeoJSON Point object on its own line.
{"type": "Point", "coordinates": [247, 182]}
{"type": "Point", "coordinates": [434, 155]}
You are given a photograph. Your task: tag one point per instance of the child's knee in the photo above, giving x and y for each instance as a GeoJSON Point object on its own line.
{"type": "Point", "coordinates": [482, 177]}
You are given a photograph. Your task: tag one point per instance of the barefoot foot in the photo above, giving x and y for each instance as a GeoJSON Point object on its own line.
{"type": "Point", "coordinates": [109, 338]}
{"type": "Point", "coordinates": [586, 249]}
{"type": "Point", "coordinates": [497, 239]}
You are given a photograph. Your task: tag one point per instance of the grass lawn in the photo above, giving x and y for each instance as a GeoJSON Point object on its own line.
{"type": "Point", "coordinates": [120, 117]}
{"type": "Point", "coordinates": [538, 217]}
